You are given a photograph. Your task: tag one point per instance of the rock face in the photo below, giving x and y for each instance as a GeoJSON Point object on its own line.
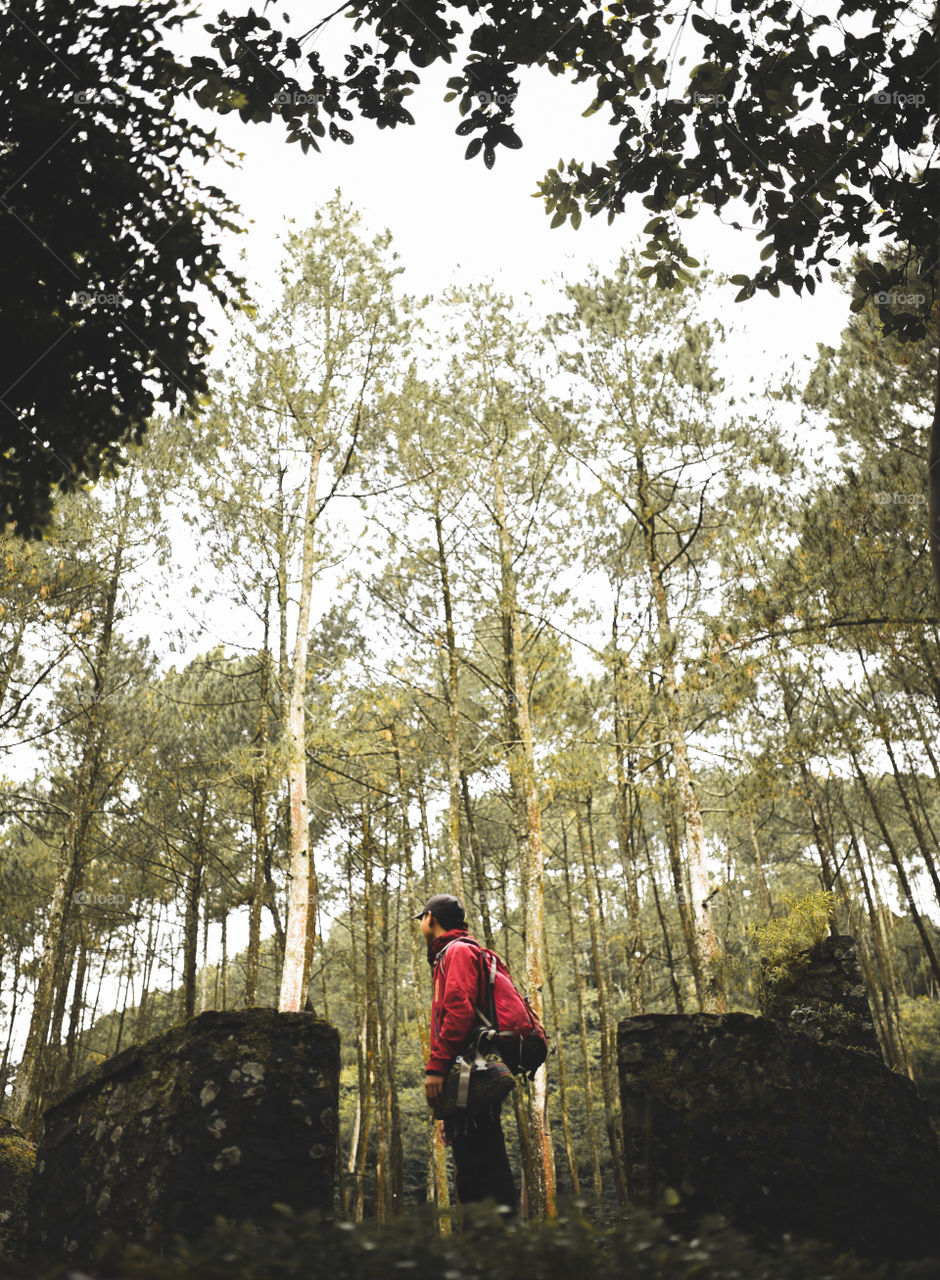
{"type": "Point", "coordinates": [224, 1115]}
{"type": "Point", "coordinates": [17, 1160]}
{"type": "Point", "coordinates": [732, 1114]}
{"type": "Point", "coordinates": [827, 999]}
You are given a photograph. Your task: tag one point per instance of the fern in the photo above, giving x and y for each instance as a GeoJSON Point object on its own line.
{"type": "Point", "coordinates": [785, 944]}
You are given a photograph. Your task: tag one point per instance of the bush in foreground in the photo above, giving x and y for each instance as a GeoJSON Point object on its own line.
{"type": "Point", "coordinates": [484, 1247]}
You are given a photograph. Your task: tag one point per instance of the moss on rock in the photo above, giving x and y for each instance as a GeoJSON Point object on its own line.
{"type": "Point", "coordinates": [826, 997]}
{"type": "Point", "coordinates": [17, 1162]}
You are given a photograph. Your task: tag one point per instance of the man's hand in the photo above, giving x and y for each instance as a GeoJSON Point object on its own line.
{"type": "Point", "coordinates": [433, 1087]}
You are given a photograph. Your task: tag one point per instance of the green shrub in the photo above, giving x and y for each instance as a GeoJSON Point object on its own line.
{"type": "Point", "coordinates": [785, 945]}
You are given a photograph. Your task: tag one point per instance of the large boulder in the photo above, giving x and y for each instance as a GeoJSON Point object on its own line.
{"type": "Point", "coordinates": [228, 1114]}
{"type": "Point", "coordinates": [777, 1131]}
{"type": "Point", "coordinates": [17, 1161]}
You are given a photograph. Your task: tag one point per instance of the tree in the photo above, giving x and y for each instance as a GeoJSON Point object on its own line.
{"type": "Point", "coordinates": [317, 366]}
{"type": "Point", "coordinates": [657, 447]}
{"type": "Point", "coordinates": [30, 1080]}
{"type": "Point", "coordinates": [106, 233]}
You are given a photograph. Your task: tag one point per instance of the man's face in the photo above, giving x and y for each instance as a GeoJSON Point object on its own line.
{"type": "Point", "coordinates": [427, 926]}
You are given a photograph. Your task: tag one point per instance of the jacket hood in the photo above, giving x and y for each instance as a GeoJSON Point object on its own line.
{"type": "Point", "coordinates": [437, 945]}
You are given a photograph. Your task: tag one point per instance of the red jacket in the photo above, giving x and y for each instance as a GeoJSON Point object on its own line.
{"type": "Point", "coordinates": [457, 990]}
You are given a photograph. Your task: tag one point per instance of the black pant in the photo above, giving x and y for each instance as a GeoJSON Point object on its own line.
{"type": "Point", "coordinates": [480, 1161]}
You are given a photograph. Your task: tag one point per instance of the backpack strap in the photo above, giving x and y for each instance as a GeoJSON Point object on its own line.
{"type": "Point", "coordinates": [488, 960]}
{"type": "Point", "coordinates": [488, 974]}
{"type": "Point", "coordinates": [463, 1083]}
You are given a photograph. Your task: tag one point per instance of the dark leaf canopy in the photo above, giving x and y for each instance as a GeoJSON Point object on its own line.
{"type": "Point", "coordinates": [826, 124]}
{"type": "Point", "coordinates": [105, 237]}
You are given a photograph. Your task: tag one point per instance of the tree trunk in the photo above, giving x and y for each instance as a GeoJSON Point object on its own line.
{"type": "Point", "coordinates": [522, 772]}
{"type": "Point", "coordinates": [899, 867]}
{"type": "Point", "coordinates": [438, 1189]}
{"type": "Point", "coordinates": [611, 1109]}
{"type": "Point", "coordinates": [562, 1073]}
{"type": "Point", "coordinates": [706, 944]}
{"type": "Point", "coordinates": [375, 1066]}
{"type": "Point", "coordinates": [54, 1048]}
{"type": "Point", "coordinates": [452, 701]}
{"type": "Point", "coordinates": [664, 928]}
{"type": "Point", "coordinates": [259, 819]}
{"type": "Point", "coordinates": [763, 892]}
{"type": "Point", "coordinates": [625, 834]}
{"type": "Point", "coordinates": [109, 943]}
{"type": "Point", "coordinates": [360, 1137]}
{"type": "Point", "coordinates": [897, 1046]}
{"type": "Point", "coordinates": [204, 970]}
{"type": "Point", "coordinates": [582, 1028]}
{"type": "Point", "coordinates": [933, 461]}
{"type": "Point", "coordinates": [924, 845]}
{"type": "Point", "coordinates": [5, 1064]}
{"type": "Point", "coordinates": [127, 998]}
{"type": "Point", "coordinates": [191, 918]}
{"type": "Point", "coordinates": [671, 825]}
{"type": "Point", "coordinates": [476, 861]}
{"type": "Point", "coordinates": [143, 1008]}
{"type": "Point", "coordinates": [301, 910]}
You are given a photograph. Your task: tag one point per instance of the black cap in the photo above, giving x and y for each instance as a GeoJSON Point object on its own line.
{"type": "Point", "coordinates": [446, 909]}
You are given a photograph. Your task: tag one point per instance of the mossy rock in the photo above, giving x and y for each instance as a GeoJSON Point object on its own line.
{"type": "Point", "coordinates": [778, 1130]}
{"type": "Point", "coordinates": [227, 1115]}
{"type": "Point", "coordinates": [17, 1162]}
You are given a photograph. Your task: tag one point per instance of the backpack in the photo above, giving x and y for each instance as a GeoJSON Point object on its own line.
{"type": "Point", "coordinates": [509, 1024]}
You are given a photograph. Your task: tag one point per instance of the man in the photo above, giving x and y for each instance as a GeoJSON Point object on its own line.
{"type": "Point", "coordinates": [481, 1164]}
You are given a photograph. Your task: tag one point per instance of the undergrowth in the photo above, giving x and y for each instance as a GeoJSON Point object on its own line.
{"type": "Point", "coordinates": [307, 1247]}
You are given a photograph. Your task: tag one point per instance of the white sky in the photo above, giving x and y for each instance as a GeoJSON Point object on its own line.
{"type": "Point", "coordinates": [455, 221]}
